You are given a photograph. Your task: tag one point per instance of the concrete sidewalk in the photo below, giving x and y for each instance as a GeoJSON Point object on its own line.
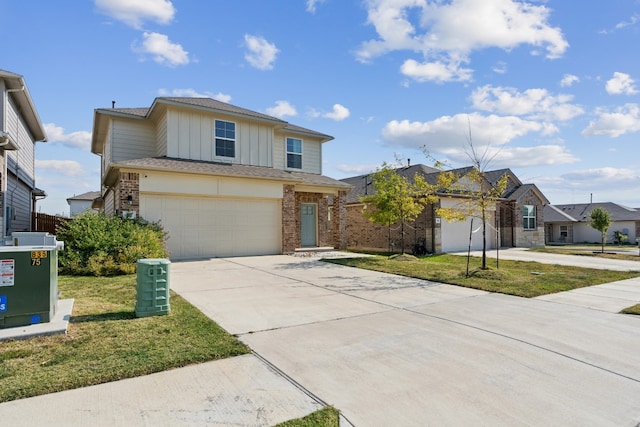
{"type": "Point", "coordinates": [384, 349]}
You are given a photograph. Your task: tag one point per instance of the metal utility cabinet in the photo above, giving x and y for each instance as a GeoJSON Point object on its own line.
{"type": "Point", "coordinates": [28, 284]}
{"type": "Point", "coordinates": [152, 287]}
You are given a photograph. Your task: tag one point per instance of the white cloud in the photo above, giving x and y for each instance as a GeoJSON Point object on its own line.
{"type": "Point", "coordinates": [605, 184]}
{"type": "Point", "coordinates": [311, 5]}
{"type": "Point", "coordinates": [134, 13]}
{"type": "Point", "coordinates": [261, 54]}
{"type": "Point", "coordinates": [435, 71]}
{"type": "Point", "coordinates": [192, 93]}
{"type": "Point", "coordinates": [625, 119]}
{"type": "Point", "coordinates": [621, 84]}
{"type": "Point", "coordinates": [162, 50]}
{"type": "Point", "coordinates": [446, 33]}
{"type": "Point", "coordinates": [500, 67]}
{"type": "Point", "coordinates": [607, 175]}
{"type": "Point", "coordinates": [352, 169]}
{"type": "Point", "coordinates": [568, 80]}
{"type": "Point", "coordinates": [536, 104]}
{"type": "Point", "coordinates": [339, 113]}
{"type": "Point", "coordinates": [447, 132]}
{"type": "Point", "coordinates": [540, 155]}
{"type": "Point", "coordinates": [70, 168]}
{"type": "Point", "coordinates": [79, 139]}
{"type": "Point", "coordinates": [282, 109]}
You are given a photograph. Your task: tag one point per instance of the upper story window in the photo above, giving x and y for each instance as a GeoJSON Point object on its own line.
{"type": "Point", "coordinates": [529, 217]}
{"type": "Point", "coordinates": [225, 136]}
{"type": "Point", "coordinates": [294, 153]}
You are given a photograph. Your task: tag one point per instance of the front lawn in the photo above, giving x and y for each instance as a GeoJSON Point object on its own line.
{"type": "Point", "coordinates": [525, 279]}
{"type": "Point", "coordinates": [625, 252]}
{"type": "Point", "coordinates": [106, 342]}
{"type": "Point", "coordinates": [632, 310]}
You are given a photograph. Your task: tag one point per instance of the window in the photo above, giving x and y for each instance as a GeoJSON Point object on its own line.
{"type": "Point", "coordinates": [529, 217]}
{"type": "Point", "coordinates": [225, 136]}
{"type": "Point", "coordinates": [564, 231]}
{"type": "Point", "coordinates": [294, 153]}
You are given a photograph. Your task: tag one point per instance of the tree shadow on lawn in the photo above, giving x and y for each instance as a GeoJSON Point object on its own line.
{"type": "Point", "coordinates": [104, 317]}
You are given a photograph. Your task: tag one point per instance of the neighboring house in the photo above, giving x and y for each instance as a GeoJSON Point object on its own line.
{"type": "Point", "coordinates": [518, 215]}
{"type": "Point", "coordinates": [572, 223]}
{"type": "Point", "coordinates": [222, 180]}
{"type": "Point", "coordinates": [20, 129]}
{"type": "Point", "coordinates": [82, 202]}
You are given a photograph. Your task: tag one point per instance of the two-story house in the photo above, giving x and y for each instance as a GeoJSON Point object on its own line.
{"type": "Point", "coordinates": [20, 129]}
{"type": "Point", "coordinates": [222, 180]}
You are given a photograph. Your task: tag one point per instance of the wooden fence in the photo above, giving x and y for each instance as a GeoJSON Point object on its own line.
{"type": "Point", "coordinates": [48, 223]}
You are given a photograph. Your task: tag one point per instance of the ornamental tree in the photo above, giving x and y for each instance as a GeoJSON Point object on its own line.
{"type": "Point", "coordinates": [396, 199]}
{"type": "Point", "coordinates": [600, 220]}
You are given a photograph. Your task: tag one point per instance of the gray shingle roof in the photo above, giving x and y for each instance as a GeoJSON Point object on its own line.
{"type": "Point", "coordinates": [231, 170]}
{"type": "Point", "coordinates": [90, 195]}
{"type": "Point", "coordinates": [580, 212]}
{"type": "Point", "coordinates": [362, 184]}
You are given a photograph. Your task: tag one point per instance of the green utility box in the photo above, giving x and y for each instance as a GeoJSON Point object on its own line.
{"type": "Point", "coordinates": [152, 287]}
{"type": "Point", "coordinates": [28, 284]}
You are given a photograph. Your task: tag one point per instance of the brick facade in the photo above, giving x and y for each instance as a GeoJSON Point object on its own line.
{"type": "Point", "coordinates": [366, 235]}
{"type": "Point", "coordinates": [290, 234]}
{"type": "Point", "coordinates": [128, 185]}
{"type": "Point", "coordinates": [339, 221]}
{"type": "Point", "coordinates": [529, 238]}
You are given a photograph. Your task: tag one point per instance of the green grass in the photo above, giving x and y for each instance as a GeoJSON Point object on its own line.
{"type": "Point", "coordinates": [625, 252]}
{"type": "Point", "coordinates": [525, 279]}
{"type": "Point", "coordinates": [106, 342]}
{"type": "Point", "coordinates": [326, 417]}
{"type": "Point", "coordinates": [632, 310]}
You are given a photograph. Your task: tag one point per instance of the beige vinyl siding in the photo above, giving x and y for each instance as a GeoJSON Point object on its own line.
{"type": "Point", "coordinates": [106, 152]}
{"type": "Point", "coordinates": [132, 139]}
{"type": "Point", "coordinates": [190, 136]}
{"type": "Point", "coordinates": [311, 156]}
{"type": "Point", "coordinates": [109, 203]}
{"type": "Point", "coordinates": [279, 154]}
{"type": "Point", "coordinates": [311, 153]}
{"type": "Point", "coordinates": [161, 136]}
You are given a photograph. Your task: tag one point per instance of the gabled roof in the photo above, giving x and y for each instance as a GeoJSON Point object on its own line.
{"type": "Point", "coordinates": [169, 164]}
{"type": "Point", "coordinates": [202, 104]}
{"type": "Point", "coordinates": [85, 197]}
{"type": "Point", "coordinates": [15, 83]}
{"type": "Point", "coordinates": [580, 212]}
{"type": "Point", "coordinates": [363, 184]}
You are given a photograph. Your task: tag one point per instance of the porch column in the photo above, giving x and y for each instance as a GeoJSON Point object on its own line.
{"type": "Point", "coordinates": [340, 221]}
{"type": "Point", "coordinates": [128, 193]}
{"type": "Point", "coordinates": [289, 228]}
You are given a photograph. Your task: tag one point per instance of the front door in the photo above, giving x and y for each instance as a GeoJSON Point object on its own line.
{"type": "Point", "coordinates": [308, 224]}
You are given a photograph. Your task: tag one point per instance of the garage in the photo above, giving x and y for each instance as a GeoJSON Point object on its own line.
{"type": "Point", "coordinates": [206, 227]}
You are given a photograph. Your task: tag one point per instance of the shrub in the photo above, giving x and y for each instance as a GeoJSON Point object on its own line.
{"type": "Point", "coordinates": [101, 245]}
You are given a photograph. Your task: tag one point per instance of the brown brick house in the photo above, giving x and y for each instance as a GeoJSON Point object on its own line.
{"type": "Point", "coordinates": [222, 180]}
{"type": "Point", "coordinates": [516, 220]}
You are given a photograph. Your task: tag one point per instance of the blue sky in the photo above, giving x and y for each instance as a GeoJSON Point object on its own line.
{"type": "Point", "coordinates": [548, 88]}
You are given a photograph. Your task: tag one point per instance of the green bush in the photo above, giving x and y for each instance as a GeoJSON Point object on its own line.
{"type": "Point", "coordinates": [101, 245]}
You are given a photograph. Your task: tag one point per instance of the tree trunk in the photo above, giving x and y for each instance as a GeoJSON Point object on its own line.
{"type": "Point", "coordinates": [484, 239]}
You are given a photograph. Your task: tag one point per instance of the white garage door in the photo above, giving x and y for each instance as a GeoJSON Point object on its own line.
{"type": "Point", "coordinates": [204, 227]}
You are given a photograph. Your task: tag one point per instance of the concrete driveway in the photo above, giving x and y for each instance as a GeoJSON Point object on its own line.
{"type": "Point", "coordinates": [388, 350]}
